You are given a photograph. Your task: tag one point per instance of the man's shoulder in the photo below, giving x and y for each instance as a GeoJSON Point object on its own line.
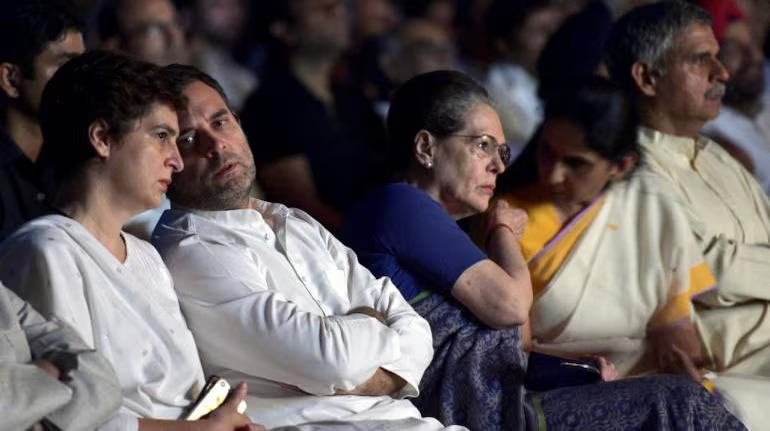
{"type": "Point", "coordinates": [9, 151]}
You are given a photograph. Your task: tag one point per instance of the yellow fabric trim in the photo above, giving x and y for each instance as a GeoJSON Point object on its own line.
{"type": "Point", "coordinates": [548, 263]}
{"type": "Point", "coordinates": [701, 279]}
{"type": "Point", "coordinates": [678, 308]}
{"type": "Point", "coordinates": [543, 224]}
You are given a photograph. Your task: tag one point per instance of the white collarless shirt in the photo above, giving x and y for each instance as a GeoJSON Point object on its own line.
{"type": "Point", "coordinates": [267, 292]}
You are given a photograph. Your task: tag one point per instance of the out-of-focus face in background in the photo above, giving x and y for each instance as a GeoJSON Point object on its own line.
{"type": "Point", "coordinates": [221, 21]}
{"type": "Point", "coordinates": [420, 46]}
{"type": "Point", "coordinates": [742, 57]}
{"type": "Point", "coordinates": [151, 31]}
{"type": "Point", "coordinates": [530, 39]}
{"type": "Point", "coordinates": [373, 18]}
{"type": "Point", "coordinates": [54, 54]}
{"type": "Point", "coordinates": [320, 27]}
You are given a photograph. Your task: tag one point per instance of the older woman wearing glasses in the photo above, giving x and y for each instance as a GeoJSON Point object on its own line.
{"type": "Point", "coordinates": [448, 149]}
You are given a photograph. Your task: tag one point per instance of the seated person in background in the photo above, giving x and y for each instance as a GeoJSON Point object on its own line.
{"type": "Point", "coordinates": [743, 124]}
{"type": "Point", "coordinates": [416, 46]}
{"type": "Point", "coordinates": [36, 37]}
{"type": "Point", "coordinates": [517, 31]}
{"type": "Point", "coordinates": [215, 27]}
{"type": "Point", "coordinates": [146, 29]}
{"type": "Point", "coordinates": [272, 297]}
{"type": "Point", "coordinates": [49, 377]}
{"type": "Point", "coordinates": [317, 143]}
{"type": "Point", "coordinates": [664, 57]}
{"type": "Point", "coordinates": [449, 149]}
{"type": "Point", "coordinates": [575, 50]}
{"type": "Point", "coordinates": [599, 235]}
{"type": "Point", "coordinates": [110, 126]}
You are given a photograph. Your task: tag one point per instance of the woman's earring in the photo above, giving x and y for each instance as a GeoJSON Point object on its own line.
{"type": "Point", "coordinates": [428, 164]}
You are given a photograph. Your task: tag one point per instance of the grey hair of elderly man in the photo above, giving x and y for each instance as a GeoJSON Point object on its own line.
{"type": "Point", "coordinates": [647, 34]}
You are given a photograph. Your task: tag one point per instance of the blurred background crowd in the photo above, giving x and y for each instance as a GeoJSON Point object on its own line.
{"type": "Point", "coordinates": [311, 79]}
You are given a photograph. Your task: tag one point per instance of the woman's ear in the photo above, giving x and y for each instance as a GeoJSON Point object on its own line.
{"type": "Point", "coordinates": [99, 137]}
{"type": "Point", "coordinates": [424, 148]}
{"type": "Point", "coordinates": [621, 168]}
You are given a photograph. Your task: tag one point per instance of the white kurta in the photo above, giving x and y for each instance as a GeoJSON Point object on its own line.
{"type": "Point", "coordinates": [515, 93]}
{"type": "Point", "coordinates": [127, 311]}
{"type": "Point", "coordinates": [266, 293]}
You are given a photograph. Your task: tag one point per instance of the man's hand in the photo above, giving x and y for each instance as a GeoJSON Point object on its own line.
{"type": "Point", "coordinates": [226, 416]}
{"type": "Point", "coordinates": [48, 367]}
{"type": "Point", "coordinates": [502, 215]}
{"type": "Point", "coordinates": [383, 382]}
{"type": "Point", "coordinates": [369, 311]}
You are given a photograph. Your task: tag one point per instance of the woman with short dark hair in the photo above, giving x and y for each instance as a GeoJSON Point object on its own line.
{"type": "Point", "coordinates": [109, 126]}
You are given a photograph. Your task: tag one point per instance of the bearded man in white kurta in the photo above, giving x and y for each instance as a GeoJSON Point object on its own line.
{"type": "Point", "coordinates": [272, 297]}
{"type": "Point", "coordinates": [665, 56]}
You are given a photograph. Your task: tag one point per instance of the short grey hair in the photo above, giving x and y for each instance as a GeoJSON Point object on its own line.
{"type": "Point", "coordinates": [646, 34]}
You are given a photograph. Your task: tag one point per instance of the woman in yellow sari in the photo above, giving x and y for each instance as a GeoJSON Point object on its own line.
{"type": "Point", "coordinates": [612, 260]}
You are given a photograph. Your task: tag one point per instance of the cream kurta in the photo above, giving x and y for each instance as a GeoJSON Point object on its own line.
{"type": "Point", "coordinates": [750, 134]}
{"type": "Point", "coordinates": [267, 293]}
{"type": "Point", "coordinates": [128, 311]}
{"type": "Point", "coordinates": [729, 214]}
{"type": "Point", "coordinates": [728, 210]}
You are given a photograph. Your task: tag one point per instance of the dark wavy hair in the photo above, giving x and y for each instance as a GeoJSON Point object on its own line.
{"type": "Point", "coordinates": [435, 101]}
{"type": "Point", "coordinates": [179, 76]}
{"type": "Point", "coordinates": [604, 113]}
{"type": "Point", "coordinates": [27, 26]}
{"type": "Point", "coordinates": [97, 85]}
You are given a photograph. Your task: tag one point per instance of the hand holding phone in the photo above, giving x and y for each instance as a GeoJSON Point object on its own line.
{"type": "Point", "coordinates": [212, 396]}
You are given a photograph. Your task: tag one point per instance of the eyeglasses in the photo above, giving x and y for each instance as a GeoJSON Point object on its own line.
{"type": "Point", "coordinates": [489, 145]}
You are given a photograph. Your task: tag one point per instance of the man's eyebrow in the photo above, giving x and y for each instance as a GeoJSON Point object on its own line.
{"type": "Point", "coordinates": [221, 113]}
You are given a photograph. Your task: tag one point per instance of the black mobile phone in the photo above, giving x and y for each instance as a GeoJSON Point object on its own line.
{"type": "Point", "coordinates": [546, 372]}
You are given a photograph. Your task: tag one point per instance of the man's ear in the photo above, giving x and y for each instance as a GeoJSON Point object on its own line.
{"type": "Point", "coordinates": [424, 148]}
{"type": "Point", "coordinates": [99, 137]}
{"type": "Point", "coordinates": [621, 168]}
{"type": "Point", "coordinates": [645, 77]}
{"type": "Point", "coordinates": [10, 79]}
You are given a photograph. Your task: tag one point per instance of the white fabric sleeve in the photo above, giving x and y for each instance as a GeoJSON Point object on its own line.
{"type": "Point", "coordinates": [415, 338]}
{"type": "Point", "coordinates": [241, 325]}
